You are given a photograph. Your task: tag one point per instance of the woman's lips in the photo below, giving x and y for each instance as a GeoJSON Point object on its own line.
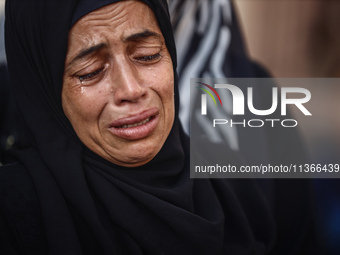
{"type": "Point", "coordinates": [137, 126]}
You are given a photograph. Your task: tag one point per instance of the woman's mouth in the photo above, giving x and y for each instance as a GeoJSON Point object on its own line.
{"type": "Point", "coordinates": [137, 126]}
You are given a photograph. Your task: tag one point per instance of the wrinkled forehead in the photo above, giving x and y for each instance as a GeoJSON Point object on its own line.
{"type": "Point", "coordinates": [86, 6]}
{"type": "Point", "coordinates": [114, 17]}
{"type": "Point", "coordinates": [157, 8]}
{"type": "Point", "coordinates": [115, 11]}
{"type": "Point", "coordinates": [112, 26]}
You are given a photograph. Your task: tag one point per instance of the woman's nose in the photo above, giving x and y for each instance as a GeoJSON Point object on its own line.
{"type": "Point", "coordinates": [127, 84]}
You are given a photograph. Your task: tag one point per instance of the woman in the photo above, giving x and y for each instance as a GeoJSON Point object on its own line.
{"type": "Point", "coordinates": [109, 170]}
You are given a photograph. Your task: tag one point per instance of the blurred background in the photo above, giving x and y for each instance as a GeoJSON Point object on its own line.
{"type": "Point", "coordinates": [293, 38]}
{"type": "Point", "coordinates": [297, 38]}
{"type": "Point", "coordinates": [258, 38]}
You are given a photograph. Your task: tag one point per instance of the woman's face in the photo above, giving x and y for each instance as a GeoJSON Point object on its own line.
{"type": "Point", "coordinates": [118, 83]}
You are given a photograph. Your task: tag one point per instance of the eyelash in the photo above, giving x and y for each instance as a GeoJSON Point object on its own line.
{"type": "Point", "coordinates": [97, 72]}
{"type": "Point", "coordinates": [90, 75]}
{"type": "Point", "coordinates": [149, 58]}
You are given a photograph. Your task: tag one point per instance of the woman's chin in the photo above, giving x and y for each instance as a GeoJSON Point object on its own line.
{"type": "Point", "coordinates": [137, 153]}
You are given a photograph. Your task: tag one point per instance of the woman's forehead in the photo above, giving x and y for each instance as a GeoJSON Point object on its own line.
{"type": "Point", "coordinates": [119, 19]}
{"type": "Point", "coordinates": [115, 23]}
{"type": "Point", "coordinates": [134, 11]}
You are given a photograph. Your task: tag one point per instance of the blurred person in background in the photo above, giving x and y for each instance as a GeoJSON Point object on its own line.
{"type": "Point", "coordinates": [210, 44]}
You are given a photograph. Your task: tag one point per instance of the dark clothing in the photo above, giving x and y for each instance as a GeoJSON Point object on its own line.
{"type": "Point", "coordinates": [13, 132]}
{"type": "Point", "coordinates": [246, 219]}
{"type": "Point", "coordinates": [21, 223]}
{"type": "Point", "coordinates": [4, 92]}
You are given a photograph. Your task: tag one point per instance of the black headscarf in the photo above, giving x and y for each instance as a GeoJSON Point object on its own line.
{"type": "Point", "coordinates": [91, 206]}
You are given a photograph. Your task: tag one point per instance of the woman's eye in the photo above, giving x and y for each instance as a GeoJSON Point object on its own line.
{"type": "Point", "coordinates": [149, 58]}
{"type": "Point", "coordinates": [90, 75]}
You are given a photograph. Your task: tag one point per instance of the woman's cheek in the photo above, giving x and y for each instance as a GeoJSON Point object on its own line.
{"type": "Point", "coordinates": [91, 103]}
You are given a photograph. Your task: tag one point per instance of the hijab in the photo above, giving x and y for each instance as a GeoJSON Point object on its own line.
{"type": "Point", "coordinates": [91, 206]}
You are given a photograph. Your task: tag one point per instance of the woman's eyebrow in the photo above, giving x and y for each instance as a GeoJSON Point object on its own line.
{"type": "Point", "coordinates": [134, 37]}
{"type": "Point", "coordinates": [142, 35]}
{"type": "Point", "coordinates": [87, 51]}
